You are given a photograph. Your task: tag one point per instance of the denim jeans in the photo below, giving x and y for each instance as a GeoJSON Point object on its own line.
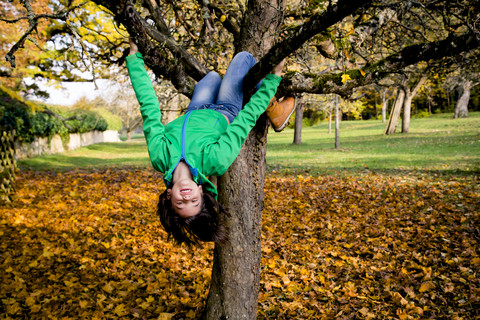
{"type": "Point", "coordinates": [224, 96]}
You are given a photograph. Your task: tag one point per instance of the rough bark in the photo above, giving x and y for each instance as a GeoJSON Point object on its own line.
{"type": "Point", "coordinates": [297, 135]}
{"type": "Point", "coordinates": [461, 108]}
{"type": "Point", "coordinates": [236, 267]}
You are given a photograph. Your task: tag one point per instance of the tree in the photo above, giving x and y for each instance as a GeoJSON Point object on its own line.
{"type": "Point", "coordinates": [297, 136]}
{"type": "Point", "coordinates": [407, 89]}
{"type": "Point", "coordinates": [181, 41]}
{"type": "Point", "coordinates": [461, 108]}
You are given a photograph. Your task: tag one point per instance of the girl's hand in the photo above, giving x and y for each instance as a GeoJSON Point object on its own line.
{"type": "Point", "coordinates": [133, 46]}
{"type": "Point", "coordinates": [277, 70]}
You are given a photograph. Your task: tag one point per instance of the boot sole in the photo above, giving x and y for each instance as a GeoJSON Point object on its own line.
{"type": "Point", "coordinates": [279, 129]}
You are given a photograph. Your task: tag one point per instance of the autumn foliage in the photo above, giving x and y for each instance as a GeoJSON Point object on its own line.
{"type": "Point", "coordinates": [87, 245]}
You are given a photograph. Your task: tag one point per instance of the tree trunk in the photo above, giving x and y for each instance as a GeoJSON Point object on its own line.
{"type": "Point", "coordinates": [297, 136]}
{"type": "Point", "coordinates": [384, 105]}
{"type": "Point", "coordinates": [395, 113]}
{"type": "Point", "coordinates": [407, 110]}
{"type": "Point", "coordinates": [330, 122]}
{"type": "Point", "coordinates": [337, 124]}
{"type": "Point", "coordinates": [461, 108]}
{"type": "Point", "coordinates": [236, 269]}
{"type": "Point", "coordinates": [407, 103]}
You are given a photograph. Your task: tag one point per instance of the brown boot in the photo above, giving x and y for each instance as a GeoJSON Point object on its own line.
{"type": "Point", "coordinates": [280, 112]}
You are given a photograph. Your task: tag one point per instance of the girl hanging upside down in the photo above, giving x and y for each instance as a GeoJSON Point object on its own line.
{"type": "Point", "coordinates": [202, 142]}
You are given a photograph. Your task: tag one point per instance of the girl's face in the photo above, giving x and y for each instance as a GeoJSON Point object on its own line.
{"type": "Point", "coordinates": [186, 197]}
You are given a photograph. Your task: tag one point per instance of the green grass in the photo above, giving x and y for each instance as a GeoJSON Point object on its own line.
{"type": "Point", "coordinates": [119, 154]}
{"type": "Point", "coordinates": [438, 143]}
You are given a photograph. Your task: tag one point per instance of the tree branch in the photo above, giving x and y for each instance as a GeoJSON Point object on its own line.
{"type": "Point", "coordinates": [171, 70]}
{"type": "Point", "coordinates": [33, 20]}
{"type": "Point", "coordinates": [295, 82]}
{"type": "Point", "coordinates": [301, 34]}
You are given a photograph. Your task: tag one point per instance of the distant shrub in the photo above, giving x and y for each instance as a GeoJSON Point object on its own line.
{"type": "Point", "coordinates": [31, 120]}
{"type": "Point", "coordinates": [114, 122]}
{"type": "Point", "coordinates": [422, 114]}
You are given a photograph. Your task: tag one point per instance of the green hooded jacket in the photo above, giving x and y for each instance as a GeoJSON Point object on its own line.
{"type": "Point", "coordinates": [202, 138]}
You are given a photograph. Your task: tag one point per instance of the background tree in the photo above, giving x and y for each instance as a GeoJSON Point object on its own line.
{"type": "Point", "coordinates": [181, 41]}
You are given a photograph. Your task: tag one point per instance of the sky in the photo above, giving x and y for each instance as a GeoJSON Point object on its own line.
{"type": "Point", "coordinates": [73, 91]}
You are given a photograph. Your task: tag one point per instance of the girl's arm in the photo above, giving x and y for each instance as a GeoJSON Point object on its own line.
{"type": "Point", "coordinates": [227, 148]}
{"type": "Point", "coordinates": [149, 106]}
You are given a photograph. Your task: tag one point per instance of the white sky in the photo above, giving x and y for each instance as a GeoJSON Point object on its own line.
{"type": "Point", "coordinates": [73, 91]}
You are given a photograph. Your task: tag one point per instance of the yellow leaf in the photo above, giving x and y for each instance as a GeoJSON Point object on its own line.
{"type": "Point", "coordinates": [30, 301]}
{"type": "Point", "coordinates": [426, 286]}
{"type": "Point", "coordinates": [362, 72]}
{"type": "Point", "coordinates": [223, 18]}
{"type": "Point", "coordinates": [190, 314]}
{"type": "Point", "coordinates": [165, 316]}
{"type": "Point", "coordinates": [151, 249]}
{"type": "Point", "coordinates": [119, 310]}
{"type": "Point", "coordinates": [106, 245]}
{"type": "Point", "coordinates": [108, 287]}
{"type": "Point", "coordinates": [83, 304]}
{"type": "Point", "coordinates": [345, 77]}
{"type": "Point", "coordinates": [46, 253]}
{"type": "Point", "coordinates": [9, 269]}
{"type": "Point", "coordinates": [35, 308]}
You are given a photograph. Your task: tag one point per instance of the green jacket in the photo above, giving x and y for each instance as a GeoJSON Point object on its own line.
{"type": "Point", "coordinates": [202, 138]}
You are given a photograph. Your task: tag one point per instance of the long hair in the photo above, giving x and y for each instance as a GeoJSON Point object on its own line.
{"type": "Point", "coordinates": [204, 226]}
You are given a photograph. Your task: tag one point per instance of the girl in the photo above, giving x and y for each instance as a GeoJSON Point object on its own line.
{"type": "Point", "coordinates": [202, 142]}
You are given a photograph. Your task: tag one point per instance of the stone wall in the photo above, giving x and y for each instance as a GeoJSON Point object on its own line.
{"type": "Point", "coordinates": [42, 146]}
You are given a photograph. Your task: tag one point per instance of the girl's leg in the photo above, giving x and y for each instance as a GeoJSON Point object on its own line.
{"type": "Point", "coordinates": [231, 89]}
{"type": "Point", "coordinates": [206, 90]}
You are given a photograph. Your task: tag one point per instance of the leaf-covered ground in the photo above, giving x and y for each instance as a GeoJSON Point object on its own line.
{"type": "Point", "coordinates": [87, 245]}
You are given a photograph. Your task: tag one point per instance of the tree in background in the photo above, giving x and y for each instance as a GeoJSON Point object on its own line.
{"type": "Point", "coordinates": [182, 41]}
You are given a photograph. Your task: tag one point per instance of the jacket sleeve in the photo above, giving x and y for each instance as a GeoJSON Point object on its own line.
{"type": "Point", "coordinates": [226, 149]}
{"type": "Point", "coordinates": [149, 108]}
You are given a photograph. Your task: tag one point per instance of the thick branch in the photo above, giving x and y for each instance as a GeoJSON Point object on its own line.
{"type": "Point", "coordinates": [301, 34]}
{"type": "Point", "coordinates": [155, 57]}
{"type": "Point", "coordinates": [332, 83]}
{"type": "Point", "coordinates": [194, 68]}
{"type": "Point", "coordinates": [158, 17]}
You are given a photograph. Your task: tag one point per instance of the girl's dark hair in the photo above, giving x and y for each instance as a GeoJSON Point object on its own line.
{"type": "Point", "coordinates": [204, 226]}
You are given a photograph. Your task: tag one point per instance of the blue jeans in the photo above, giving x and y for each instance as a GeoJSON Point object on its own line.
{"type": "Point", "coordinates": [224, 96]}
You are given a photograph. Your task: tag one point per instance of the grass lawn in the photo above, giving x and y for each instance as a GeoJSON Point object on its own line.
{"type": "Point", "coordinates": [438, 143]}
